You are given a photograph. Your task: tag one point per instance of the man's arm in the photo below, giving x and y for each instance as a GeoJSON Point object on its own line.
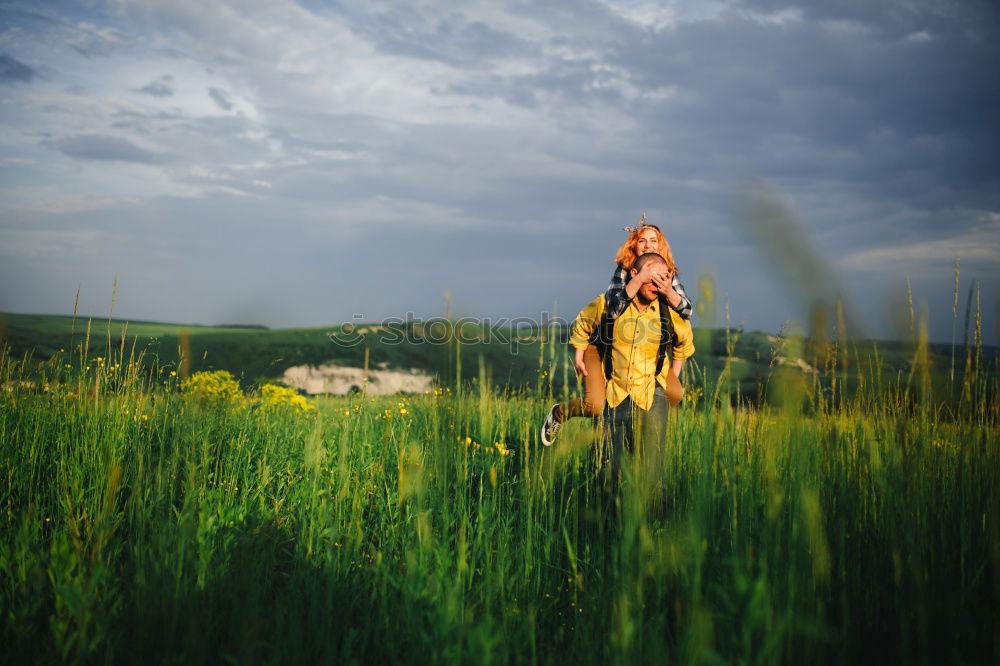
{"type": "Point", "coordinates": [586, 323]}
{"type": "Point", "coordinates": [683, 345]}
{"type": "Point", "coordinates": [583, 328]}
{"type": "Point", "coordinates": [683, 306]}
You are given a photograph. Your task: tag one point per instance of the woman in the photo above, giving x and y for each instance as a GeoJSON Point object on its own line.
{"type": "Point", "coordinates": [642, 239]}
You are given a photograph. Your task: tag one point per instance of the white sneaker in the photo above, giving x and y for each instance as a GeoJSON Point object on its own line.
{"type": "Point", "coordinates": [550, 427]}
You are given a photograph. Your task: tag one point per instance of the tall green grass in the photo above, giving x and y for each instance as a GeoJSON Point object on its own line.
{"type": "Point", "coordinates": [833, 527]}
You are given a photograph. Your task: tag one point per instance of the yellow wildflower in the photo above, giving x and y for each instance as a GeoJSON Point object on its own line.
{"type": "Point", "coordinates": [218, 388]}
{"type": "Point", "coordinates": [273, 397]}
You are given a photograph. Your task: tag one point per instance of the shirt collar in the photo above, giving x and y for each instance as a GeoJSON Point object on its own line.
{"type": "Point", "coordinates": [654, 305]}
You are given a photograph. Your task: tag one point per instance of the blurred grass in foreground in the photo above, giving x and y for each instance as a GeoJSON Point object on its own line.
{"type": "Point", "coordinates": [140, 523]}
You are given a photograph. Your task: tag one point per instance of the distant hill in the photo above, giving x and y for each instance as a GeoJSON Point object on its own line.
{"type": "Point", "coordinates": [255, 326]}
{"type": "Point", "coordinates": [65, 324]}
{"type": "Point", "coordinates": [525, 360]}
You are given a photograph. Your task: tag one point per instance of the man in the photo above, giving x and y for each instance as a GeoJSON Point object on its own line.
{"type": "Point", "coordinates": [643, 352]}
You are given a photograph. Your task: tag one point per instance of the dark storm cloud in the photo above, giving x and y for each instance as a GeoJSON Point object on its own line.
{"type": "Point", "coordinates": [834, 84]}
{"type": "Point", "coordinates": [161, 87]}
{"type": "Point", "coordinates": [221, 98]}
{"type": "Point", "coordinates": [889, 118]}
{"type": "Point", "coordinates": [13, 70]}
{"type": "Point", "coordinates": [863, 101]}
{"type": "Point", "coordinates": [108, 148]}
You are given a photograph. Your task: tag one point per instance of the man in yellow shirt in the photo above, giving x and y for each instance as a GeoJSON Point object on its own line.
{"type": "Point", "coordinates": [635, 348]}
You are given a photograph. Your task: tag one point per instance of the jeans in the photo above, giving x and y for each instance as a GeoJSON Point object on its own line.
{"type": "Point", "coordinates": [641, 434]}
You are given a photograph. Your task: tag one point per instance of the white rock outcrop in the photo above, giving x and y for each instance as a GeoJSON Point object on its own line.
{"type": "Point", "coordinates": [339, 380]}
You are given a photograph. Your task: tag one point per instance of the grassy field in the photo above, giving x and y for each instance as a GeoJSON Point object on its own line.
{"type": "Point", "coordinates": [146, 522]}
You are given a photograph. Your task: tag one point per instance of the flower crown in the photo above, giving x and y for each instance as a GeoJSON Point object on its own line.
{"type": "Point", "coordinates": [642, 223]}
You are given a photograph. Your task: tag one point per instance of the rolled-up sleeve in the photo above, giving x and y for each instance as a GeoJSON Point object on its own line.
{"type": "Point", "coordinates": [586, 322]}
{"type": "Point", "coordinates": [684, 346]}
{"type": "Point", "coordinates": [683, 307]}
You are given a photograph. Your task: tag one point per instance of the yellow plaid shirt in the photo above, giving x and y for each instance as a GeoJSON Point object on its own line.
{"type": "Point", "coordinates": [633, 352]}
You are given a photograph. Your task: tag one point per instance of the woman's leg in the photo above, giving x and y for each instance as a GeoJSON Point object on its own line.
{"type": "Point", "coordinates": [592, 403]}
{"type": "Point", "coordinates": [594, 384]}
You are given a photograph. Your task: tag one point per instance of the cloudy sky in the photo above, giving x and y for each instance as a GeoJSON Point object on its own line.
{"type": "Point", "coordinates": [299, 163]}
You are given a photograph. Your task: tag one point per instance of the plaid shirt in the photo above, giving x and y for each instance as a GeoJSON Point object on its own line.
{"type": "Point", "coordinates": [617, 300]}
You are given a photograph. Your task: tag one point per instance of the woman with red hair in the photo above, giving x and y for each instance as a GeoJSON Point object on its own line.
{"type": "Point", "coordinates": [642, 239]}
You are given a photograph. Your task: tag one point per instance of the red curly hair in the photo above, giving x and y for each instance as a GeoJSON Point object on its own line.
{"type": "Point", "coordinates": [627, 254]}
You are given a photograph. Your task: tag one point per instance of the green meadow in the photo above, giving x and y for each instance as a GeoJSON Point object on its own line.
{"type": "Point", "coordinates": [849, 517]}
